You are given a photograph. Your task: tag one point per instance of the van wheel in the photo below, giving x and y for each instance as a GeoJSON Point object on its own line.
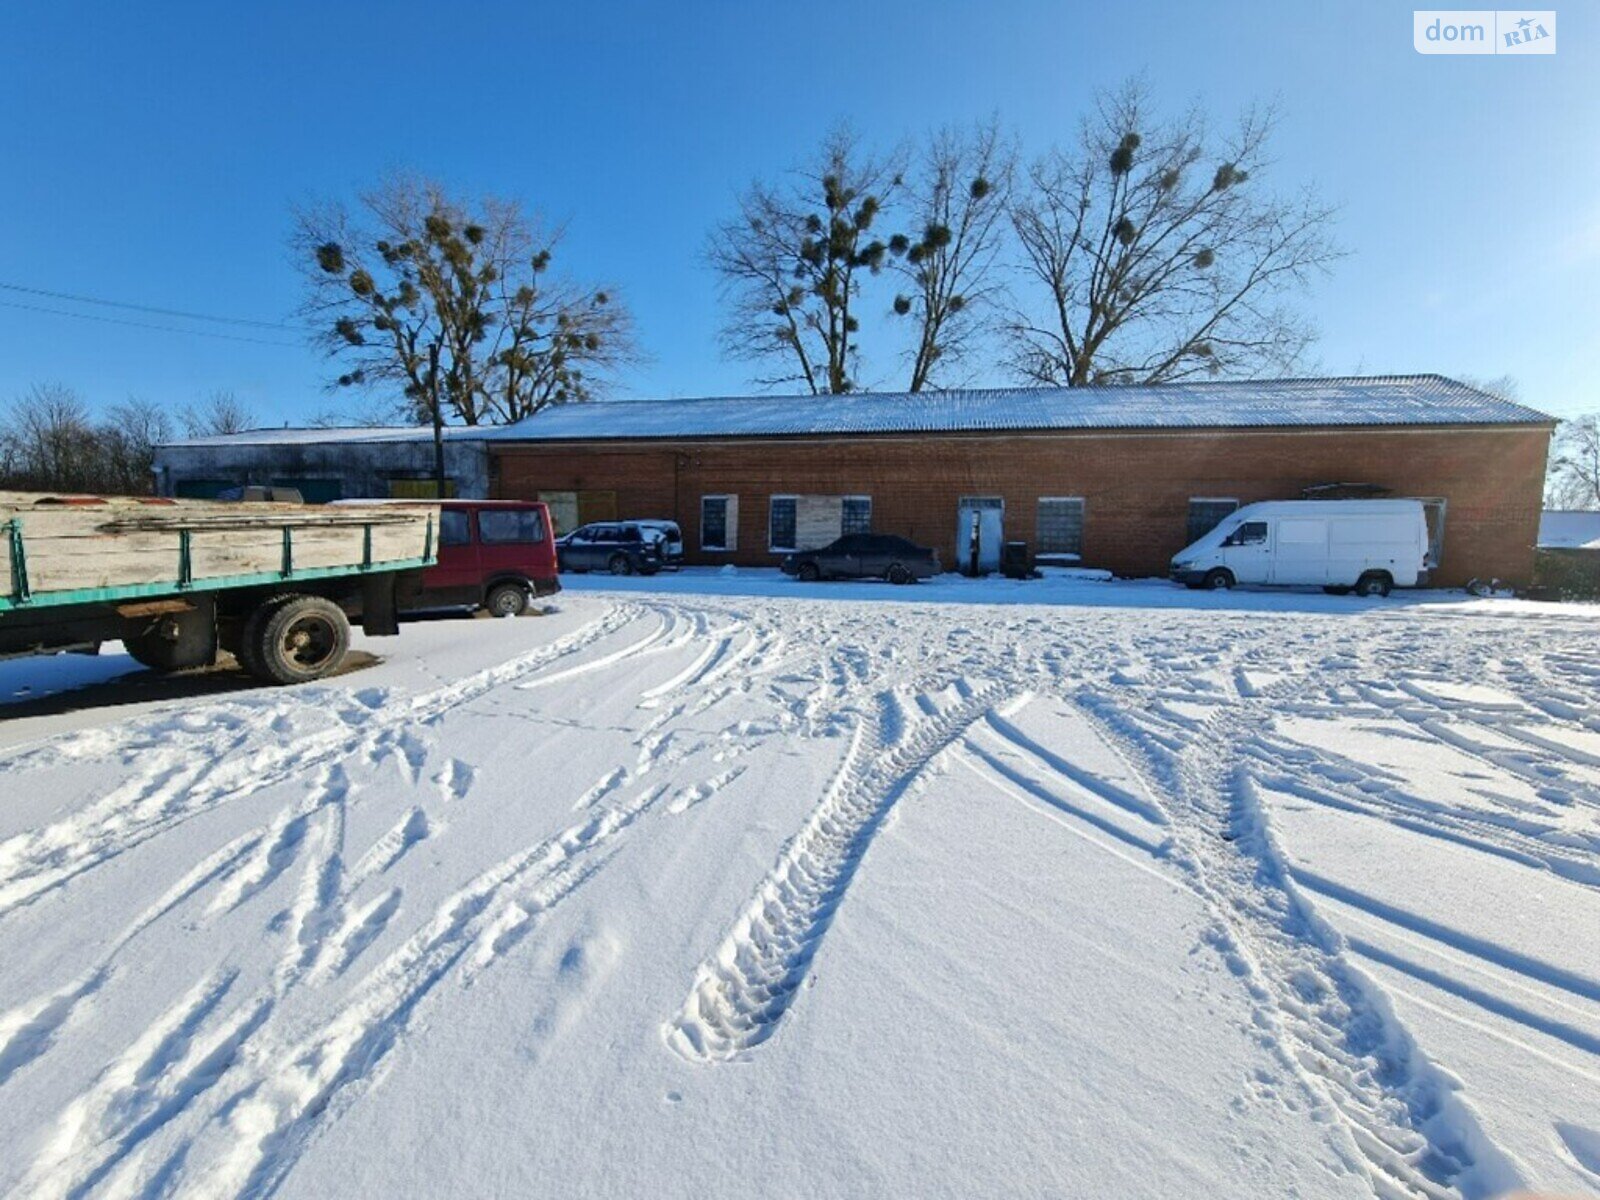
{"type": "Point", "coordinates": [506, 600]}
{"type": "Point", "coordinates": [898, 574]}
{"type": "Point", "coordinates": [620, 565]}
{"type": "Point", "coordinates": [1219, 580]}
{"type": "Point", "coordinates": [296, 639]}
{"type": "Point", "coordinates": [1374, 583]}
{"type": "Point", "coordinates": [808, 573]}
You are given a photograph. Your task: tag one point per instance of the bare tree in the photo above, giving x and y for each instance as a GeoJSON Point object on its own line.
{"type": "Point", "coordinates": [130, 434]}
{"type": "Point", "coordinates": [454, 307]}
{"type": "Point", "coordinates": [220, 414]}
{"type": "Point", "coordinates": [1574, 480]}
{"type": "Point", "coordinates": [791, 263]}
{"type": "Point", "coordinates": [1156, 254]}
{"type": "Point", "coordinates": [959, 193]}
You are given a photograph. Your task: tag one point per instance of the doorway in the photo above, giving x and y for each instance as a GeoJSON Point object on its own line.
{"type": "Point", "coordinates": [980, 525]}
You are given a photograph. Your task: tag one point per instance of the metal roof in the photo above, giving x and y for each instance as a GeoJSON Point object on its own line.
{"type": "Point", "coordinates": [1410, 400]}
{"type": "Point", "coordinates": [1413, 400]}
{"type": "Point", "coordinates": [1559, 530]}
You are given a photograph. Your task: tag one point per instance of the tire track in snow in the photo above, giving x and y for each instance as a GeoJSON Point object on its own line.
{"type": "Point", "coordinates": [743, 990]}
{"type": "Point", "coordinates": [1330, 1023]}
{"type": "Point", "coordinates": [187, 780]}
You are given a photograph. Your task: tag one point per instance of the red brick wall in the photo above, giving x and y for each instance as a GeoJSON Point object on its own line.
{"type": "Point", "coordinates": [1136, 486]}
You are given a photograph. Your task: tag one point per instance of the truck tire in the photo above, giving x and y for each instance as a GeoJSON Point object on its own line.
{"type": "Point", "coordinates": [507, 600]}
{"type": "Point", "coordinates": [1374, 583]}
{"type": "Point", "coordinates": [295, 639]}
{"type": "Point", "coordinates": [175, 642]}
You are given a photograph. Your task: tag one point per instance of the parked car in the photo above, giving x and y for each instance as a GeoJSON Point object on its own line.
{"type": "Point", "coordinates": [864, 556]}
{"type": "Point", "coordinates": [493, 554]}
{"type": "Point", "coordinates": [621, 547]}
{"type": "Point", "coordinates": [673, 535]}
{"type": "Point", "coordinates": [1365, 546]}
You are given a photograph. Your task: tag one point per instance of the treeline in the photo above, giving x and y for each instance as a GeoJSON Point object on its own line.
{"type": "Point", "coordinates": [52, 440]}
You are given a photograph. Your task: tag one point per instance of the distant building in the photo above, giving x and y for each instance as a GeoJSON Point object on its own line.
{"type": "Point", "coordinates": [1120, 478]}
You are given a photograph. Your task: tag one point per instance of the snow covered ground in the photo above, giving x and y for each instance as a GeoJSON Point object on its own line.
{"type": "Point", "coordinates": [719, 885]}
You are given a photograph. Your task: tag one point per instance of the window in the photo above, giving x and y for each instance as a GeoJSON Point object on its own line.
{"type": "Point", "coordinates": [1251, 533]}
{"type": "Point", "coordinates": [718, 522]}
{"type": "Point", "coordinates": [856, 516]}
{"type": "Point", "coordinates": [781, 523]}
{"type": "Point", "coordinates": [1205, 514]}
{"type": "Point", "coordinates": [421, 489]}
{"type": "Point", "coordinates": [453, 528]}
{"type": "Point", "coordinates": [499, 526]}
{"type": "Point", "coordinates": [1060, 529]}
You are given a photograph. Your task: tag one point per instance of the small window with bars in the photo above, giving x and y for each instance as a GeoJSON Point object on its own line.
{"type": "Point", "coordinates": [715, 526]}
{"type": "Point", "coordinates": [1060, 529]}
{"type": "Point", "coordinates": [857, 515]}
{"type": "Point", "coordinates": [1206, 513]}
{"type": "Point", "coordinates": [781, 523]}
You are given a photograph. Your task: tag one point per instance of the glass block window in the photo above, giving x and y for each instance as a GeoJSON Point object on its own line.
{"type": "Point", "coordinates": [1205, 514]}
{"type": "Point", "coordinates": [781, 523]}
{"type": "Point", "coordinates": [857, 516]}
{"type": "Point", "coordinates": [1060, 529]}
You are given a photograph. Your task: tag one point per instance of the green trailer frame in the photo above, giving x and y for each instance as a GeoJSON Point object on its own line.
{"type": "Point", "coordinates": [21, 597]}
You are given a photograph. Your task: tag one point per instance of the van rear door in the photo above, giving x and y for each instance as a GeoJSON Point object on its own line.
{"type": "Point", "coordinates": [1300, 551]}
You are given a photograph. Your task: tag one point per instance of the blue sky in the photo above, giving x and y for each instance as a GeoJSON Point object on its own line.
{"type": "Point", "coordinates": [153, 153]}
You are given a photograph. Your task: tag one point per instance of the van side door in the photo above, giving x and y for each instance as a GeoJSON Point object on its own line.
{"type": "Point", "coordinates": [506, 541]}
{"type": "Point", "coordinates": [1300, 551]}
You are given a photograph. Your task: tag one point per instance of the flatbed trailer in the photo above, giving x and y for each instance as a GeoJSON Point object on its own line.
{"type": "Point", "coordinates": [177, 581]}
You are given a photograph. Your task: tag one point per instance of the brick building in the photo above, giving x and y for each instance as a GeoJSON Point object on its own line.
{"type": "Point", "coordinates": [1119, 478]}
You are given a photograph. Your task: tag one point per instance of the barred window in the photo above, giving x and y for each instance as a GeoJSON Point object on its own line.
{"type": "Point", "coordinates": [1060, 529]}
{"type": "Point", "coordinates": [714, 523]}
{"type": "Point", "coordinates": [781, 523]}
{"type": "Point", "coordinates": [857, 516]}
{"type": "Point", "coordinates": [1205, 514]}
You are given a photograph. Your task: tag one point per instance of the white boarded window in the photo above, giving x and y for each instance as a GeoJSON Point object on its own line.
{"type": "Point", "coordinates": [1060, 528]}
{"type": "Point", "coordinates": [1206, 513]}
{"type": "Point", "coordinates": [810, 522]}
{"type": "Point", "coordinates": [719, 522]}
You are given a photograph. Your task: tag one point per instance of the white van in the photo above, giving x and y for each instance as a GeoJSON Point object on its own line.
{"type": "Point", "coordinates": [1366, 546]}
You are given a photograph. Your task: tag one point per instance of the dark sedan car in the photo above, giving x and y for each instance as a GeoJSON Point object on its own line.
{"type": "Point", "coordinates": [865, 556]}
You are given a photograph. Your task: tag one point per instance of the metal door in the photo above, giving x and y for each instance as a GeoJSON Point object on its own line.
{"type": "Point", "coordinates": [979, 532]}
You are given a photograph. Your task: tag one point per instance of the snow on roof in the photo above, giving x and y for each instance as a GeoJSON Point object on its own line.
{"type": "Point", "coordinates": [1383, 400]}
{"type": "Point", "coordinates": [303, 436]}
{"type": "Point", "coordinates": [1569, 530]}
{"type": "Point", "coordinates": [1273, 403]}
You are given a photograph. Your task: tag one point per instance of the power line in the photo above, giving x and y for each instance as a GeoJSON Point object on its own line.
{"type": "Point", "coordinates": [148, 308]}
{"type": "Point", "coordinates": [227, 337]}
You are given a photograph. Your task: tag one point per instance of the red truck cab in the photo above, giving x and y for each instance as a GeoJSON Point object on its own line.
{"type": "Point", "coordinates": [494, 554]}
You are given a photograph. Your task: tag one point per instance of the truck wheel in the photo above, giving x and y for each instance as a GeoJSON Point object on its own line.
{"type": "Point", "coordinates": [1374, 583]}
{"type": "Point", "coordinates": [620, 565]}
{"type": "Point", "coordinates": [1219, 579]}
{"type": "Point", "coordinates": [295, 640]}
{"type": "Point", "coordinates": [808, 573]}
{"type": "Point", "coordinates": [898, 574]}
{"type": "Point", "coordinates": [175, 642]}
{"type": "Point", "coordinates": [506, 600]}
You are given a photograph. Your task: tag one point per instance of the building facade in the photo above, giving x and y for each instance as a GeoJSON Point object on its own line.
{"type": "Point", "coordinates": [1116, 478]}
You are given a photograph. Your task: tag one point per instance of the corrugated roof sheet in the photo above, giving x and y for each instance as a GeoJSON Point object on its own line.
{"type": "Point", "coordinates": [1385, 400]}
{"type": "Point", "coordinates": [1273, 403]}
